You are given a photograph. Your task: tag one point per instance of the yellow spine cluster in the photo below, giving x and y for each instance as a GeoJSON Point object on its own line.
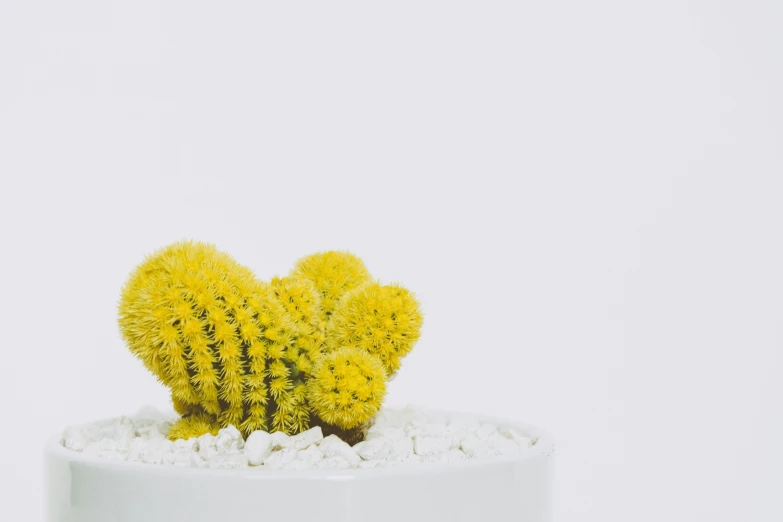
{"type": "Point", "coordinates": [302, 301]}
{"type": "Point", "coordinates": [193, 425]}
{"type": "Point", "coordinates": [347, 387]}
{"type": "Point", "coordinates": [383, 320]}
{"type": "Point", "coordinates": [333, 274]}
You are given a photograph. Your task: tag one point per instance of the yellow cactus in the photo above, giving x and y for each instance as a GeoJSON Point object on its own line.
{"type": "Point", "coordinates": [217, 337]}
{"type": "Point", "coordinates": [317, 346]}
{"type": "Point", "coordinates": [193, 426]}
{"type": "Point", "coordinates": [347, 387]}
{"type": "Point", "coordinates": [383, 320]}
{"type": "Point", "coordinates": [334, 274]}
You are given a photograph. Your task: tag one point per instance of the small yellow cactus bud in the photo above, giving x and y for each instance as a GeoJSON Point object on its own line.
{"type": "Point", "coordinates": [347, 387]}
{"type": "Point", "coordinates": [334, 274]}
{"type": "Point", "coordinates": [383, 320]}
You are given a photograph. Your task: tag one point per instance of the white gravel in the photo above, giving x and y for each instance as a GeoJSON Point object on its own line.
{"type": "Point", "coordinates": [398, 437]}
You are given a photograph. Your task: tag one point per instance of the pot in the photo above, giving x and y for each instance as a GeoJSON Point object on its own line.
{"type": "Point", "coordinates": [82, 488]}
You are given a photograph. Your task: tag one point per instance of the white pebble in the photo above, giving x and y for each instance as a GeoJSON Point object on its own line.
{"type": "Point", "coordinates": [304, 439]}
{"type": "Point", "coordinates": [413, 428]}
{"type": "Point", "coordinates": [150, 431]}
{"type": "Point", "coordinates": [413, 459]}
{"type": "Point", "coordinates": [109, 449]}
{"type": "Point", "coordinates": [475, 448]}
{"type": "Point", "coordinates": [196, 461]}
{"type": "Point", "coordinates": [454, 455]}
{"type": "Point", "coordinates": [334, 446]}
{"type": "Point", "coordinates": [74, 439]}
{"type": "Point", "coordinates": [183, 445]}
{"type": "Point", "coordinates": [311, 454]}
{"type": "Point", "coordinates": [461, 426]}
{"type": "Point", "coordinates": [182, 452]}
{"type": "Point", "coordinates": [137, 448]}
{"type": "Point", "coordinates": [121, 445]}
{"type": "Point", "coordinates": [469, 445]}
{"type": "Point", "coordinates": [373, 449]}
{"type": "Point", "coordinates": [156, 450]}
{"type": "Point", "coordinates": [279, 440]}
{"type": "Point", "coordinates": [92, 432]}
{"type": "Point", "coordinates": [386, 432]}
{"type": "Point", "coordinates": [502, 445]}
{"type": "Point", "coordinates": [434, 430]}
{"type": "Point", "coordinates": [278, 459]}
{"type": "Point", "coordinates": [176, 459]}
{"type": "Point", "coordinates": [522, 441]}
{"type": "Point", "coordinates": [305, 459]}
{"type": "Point", "coordinates": [431, 446]}
{"type": "Point", "coordinates": [258, 447]}
{"type": "Point", "coordinates": [229, 441]}
{"type": "Point", "coordinates": [207, 446]}
{"type": "Point", "coordinates": [121, 428]}
{"type": "Point", "coordinates": [486, 431]}
{"type": "Point", "coordinates": [400, 449]}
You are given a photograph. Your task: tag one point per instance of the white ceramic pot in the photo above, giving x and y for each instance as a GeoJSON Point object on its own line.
{"type": "Point", "coordinates": [79, 488]}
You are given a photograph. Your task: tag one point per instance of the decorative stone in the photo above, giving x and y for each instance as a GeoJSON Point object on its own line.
{"type": "Point", "coordinates": [304, 439]}
{"type": "Point", "coordinates": [431, 446]}
{"type": "Point", "coordinates": [398, 437]}
{"type": "Point", "coordinates": [334, 446]}
{"type": "Point", "coordinates": [258, 447]}
{"type": "Point", "coordinates": [373, 449]}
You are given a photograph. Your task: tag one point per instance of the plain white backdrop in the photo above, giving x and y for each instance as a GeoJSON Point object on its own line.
{"type": "Point", "coordinates": [587, 197]}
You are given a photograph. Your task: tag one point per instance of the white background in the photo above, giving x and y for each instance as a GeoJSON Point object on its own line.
{"type": "Point", "coordinates": [586, 197]}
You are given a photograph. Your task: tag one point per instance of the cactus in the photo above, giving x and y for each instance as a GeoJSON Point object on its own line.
{"type": "Point", "coordinates": [236, 351]}
{"type": "Point", "coordinates": [347, 387]}
{"type": "Point", "coordinates": [194, 425]}
{"type": "Point", "coordinates": [383, 320]}
{"type": "Point", "coordinates": [217, 337]}
{"type": "Point", "coordinates": [334, 274]}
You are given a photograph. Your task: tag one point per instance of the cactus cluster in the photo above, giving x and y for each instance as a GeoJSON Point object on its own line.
{"type": "Point", "coordinates": [314, 347]}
